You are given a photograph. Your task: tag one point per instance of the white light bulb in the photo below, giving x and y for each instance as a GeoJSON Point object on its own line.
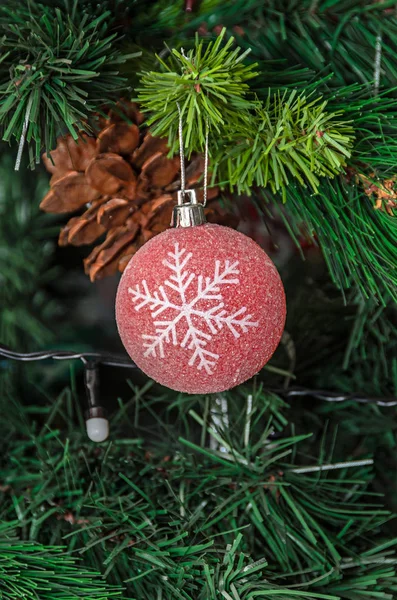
{"type": "Point", "coordinates": [97, 429]}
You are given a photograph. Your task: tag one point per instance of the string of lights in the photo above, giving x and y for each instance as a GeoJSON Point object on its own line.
{"type": "Point", "coordinates": [92, 360]}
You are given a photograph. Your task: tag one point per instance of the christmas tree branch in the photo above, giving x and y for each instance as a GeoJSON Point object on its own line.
{"type": "Point", "coordinates": [27, 242]}
{"type": "Point", "coordinates": [343, 38]}
{"type": "Point", "coordinates": [252, 143]}
{"type": "Point", "coordinates": [57, 68]}
{"type": "Point", "coordinates": [295, 138]}
{"type": "Point", "coordinates": [30, 570]}
{"type": "Point", "coordinates": [209, 83]}
{"type": "Point", "coordinates": [359, 243]}
{"type": "Point", "coordinates": [192, 521]}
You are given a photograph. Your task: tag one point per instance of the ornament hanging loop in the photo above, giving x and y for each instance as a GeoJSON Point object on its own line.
{"type": "Point", "coordinates": [189, 213]}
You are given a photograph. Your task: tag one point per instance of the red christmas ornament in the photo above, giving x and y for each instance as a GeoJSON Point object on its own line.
{"type": "Point", "coordinates": [200, 309]}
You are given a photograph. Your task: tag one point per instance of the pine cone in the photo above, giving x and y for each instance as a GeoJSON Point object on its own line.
{"type": "Point", "coordinates": [126, 185]}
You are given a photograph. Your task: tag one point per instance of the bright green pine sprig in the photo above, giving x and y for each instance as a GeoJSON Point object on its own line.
{"type": "Point", "coordinates": [295, 138]}
{"type": "Point", "coordinates": [208, 83]}
{"type": "Point", "coordinates": [57, 68]}
{"type": "Point", "coordinates": [251, 143]}
{"type": "Point", "coordinates": [30, 570]}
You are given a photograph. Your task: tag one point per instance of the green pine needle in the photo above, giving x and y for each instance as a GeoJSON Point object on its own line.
{"type": "Point", "coordinates": [27, 243]}
{"type": "Point", "coordinates": [57, 69]}
{"type": "Point", "coordinates": [251, 143]}
{"type": "Point", "coordinates": [294, 139]}
{"type": "Point", "coordinates": [337, 37]}
{"type": "Point", "coordinates": [359, 243]}
{"type": "Point", "coordinates": [30, 570]}
{"type": "Point", "coordinates": [172, 518]}
{"type": "Point", "coordinates": [210, 85]}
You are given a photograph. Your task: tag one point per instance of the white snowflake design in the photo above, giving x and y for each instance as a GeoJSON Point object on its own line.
{"type": "Point", "coordinates": [180, 300]}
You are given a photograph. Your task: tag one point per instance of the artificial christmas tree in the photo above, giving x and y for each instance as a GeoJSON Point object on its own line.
{"type": "Point", "coordinates": [283, 487]}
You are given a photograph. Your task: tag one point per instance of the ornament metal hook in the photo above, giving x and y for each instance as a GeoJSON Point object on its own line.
{"type": "Point", "coordinates": [190, 213]}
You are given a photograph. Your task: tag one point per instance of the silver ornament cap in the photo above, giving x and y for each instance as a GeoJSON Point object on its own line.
{"type": "Point", "coordinates": [188, 214]}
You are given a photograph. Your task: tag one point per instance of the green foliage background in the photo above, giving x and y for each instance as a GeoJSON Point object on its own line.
{"type": "Point", "coordinates": [175, 505]}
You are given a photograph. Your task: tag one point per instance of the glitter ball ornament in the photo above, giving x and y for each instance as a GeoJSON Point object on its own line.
{"type": "Point", "coordinates": [200, 309]}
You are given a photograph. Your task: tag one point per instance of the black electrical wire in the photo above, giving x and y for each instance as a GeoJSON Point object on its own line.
{"type": "Point", "coordinates": [329, 396]}
{"type": "Point", "coordinates": [112, 360]}
{"type": "Point", "coordinates": [115, 360]}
